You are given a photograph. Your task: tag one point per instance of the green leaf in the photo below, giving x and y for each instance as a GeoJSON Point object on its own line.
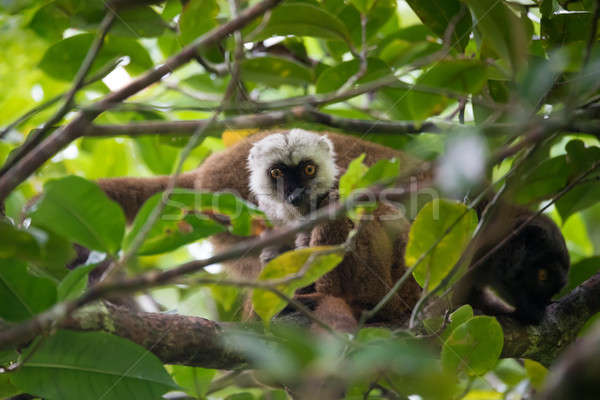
{"type": "Point", "coordinates": [437, 15]}
{"type": "Point", "coordinates": [275, 71]}
{"type": "Point", "coordinates": [50, 21]}
{"type": "Point", "coordinates": [379, 13]}
{"type": "Point", "coordinates": [138, 22]}
{"type": "Point", "coordinates": [23, 295]}
{"type": "Point", "coordinates": [406, 45]}
{"type": "Point", "coordinates": [78, 209]}
{"type": "Point", "coordinates": [7, 389]}
{"type": "Point", "coordinates": [301, 19]}
{"type": "Point", "coordinates": [474, 347]}
{"type": "Point", "coordinates": [501, 30]}
{"type": "Point", "coordinates": [544, 180]}
{"type": "Point", "coordinates": [432, 222]}
{"type": "Point", "coordinates": [63, 59]}
{"type": "Point", "coordinates": [462, 76]}
{"type": "Point", "coordinates": [566, 26]}
{"type": "Point", "coordinates": [536, 373]}
{"type": "Point", "coordinates": [363, 6]}
{"type": "Point", "coordinates": [334, 78]}
{"type": "Point", "coordinates": [267, 304]}
{"type": "Point", "coordinates": [359, 176]}
{"type": "Point", "coordinates": [47, 251]}
{"type": "Point", "coordinates": [186, 218]}
{"type": "Point", "coordinates": [92, 365]}
{"type": "Point", "coordinates": [159, 158]}
{"type": "Point", "coordinates": [194, 381]}
{"type": "Point", "coordinates": [197, 18]}
{"type": "Point", "coordinates": [373, 334]}
{"type": "Point", "coordinates": [349, 181]}
{"type": "Point", "coordinates": [580, 272]}
{"type": "Point", "coordinates": [579, 198]}
{"type": "Point", "coordinates": [75, 283]}
{"type": "Point", "coordinates": [461, 315]}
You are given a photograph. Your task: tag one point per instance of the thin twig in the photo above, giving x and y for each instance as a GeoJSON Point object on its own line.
{"type": "Point", "coordinates": [362, 69]}
{"type": "Point", "coordinates": [593, 32]}
{"type": "Point", "coordinates": [263, 121]}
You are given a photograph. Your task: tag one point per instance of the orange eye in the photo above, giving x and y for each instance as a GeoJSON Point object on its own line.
{"type": "Point", "coordinates": [542, 274]}
{"type": "Point", "coordinates": [310, 170]}
{"type": "Point", "coordinates": [276, 173]}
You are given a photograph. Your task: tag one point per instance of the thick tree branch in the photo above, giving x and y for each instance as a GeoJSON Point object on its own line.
{"type": "Point", "coordinates": [61, 137]}
{"type": "Point", "coordinates": [560, 326]}
{"type": "Point", "coordinates": [175, 339]}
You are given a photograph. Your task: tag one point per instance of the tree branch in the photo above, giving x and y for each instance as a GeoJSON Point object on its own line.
{"type": "Point", "coordinates": [561, 324]}
{"type": "Point", "coordinates": [575, 375]}
{"type": "Point", "coordinates": [261, 121]}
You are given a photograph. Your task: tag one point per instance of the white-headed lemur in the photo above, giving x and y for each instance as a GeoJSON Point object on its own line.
{"type": "Point", "coordinates": [290, 176]}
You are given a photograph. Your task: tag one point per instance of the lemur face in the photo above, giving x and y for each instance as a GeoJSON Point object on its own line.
{"type": "Point", "coordinates": [292, 170]}
{"type": "Point", "coordinates": [293, 183]}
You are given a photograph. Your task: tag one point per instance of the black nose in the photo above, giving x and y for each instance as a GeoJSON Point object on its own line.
{"type": "Point", "coordinates": [295, 198]}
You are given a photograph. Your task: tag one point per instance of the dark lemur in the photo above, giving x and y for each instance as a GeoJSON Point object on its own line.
{"type": "Point", "coordinates": [519, 271]}
{"type": "Point", "coordinates": [525, 273]}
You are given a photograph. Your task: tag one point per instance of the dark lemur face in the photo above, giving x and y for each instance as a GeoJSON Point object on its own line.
{"type": "Point", "coordinates": [530, 269]}
{"type": "Point", "coordinates": [293, 183]}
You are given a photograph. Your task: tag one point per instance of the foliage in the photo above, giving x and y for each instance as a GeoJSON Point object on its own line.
{"type": "Point", "coordinates": [512, 73]}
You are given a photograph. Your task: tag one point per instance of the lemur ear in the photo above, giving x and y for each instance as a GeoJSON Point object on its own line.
{"type": "Point", "coordinates": [325, 143]}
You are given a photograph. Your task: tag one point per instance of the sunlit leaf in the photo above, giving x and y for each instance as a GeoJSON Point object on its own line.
{"type": "Point", "coordinates": [359, 176]}
{"type": "Point", "coordinates": [194, 381]}
{"type": "Point", "coordinates": [187, 218]}
{"type": "Point", "coordinates": [457, 318]}
{"type": "Point", "coordinates": [77, 209]}
{"type": "Point", "coordinates": [197, 18]}
{"type": "Point", "coordinates": [536, 373]}
{"type": "Point", "coordinates": [266, 303]}
{"type": "Point", "coordinates": [75, 283]}
{"type": "Point", "coordinates": [63, 59]}
{"type": "Point", "coordinates": [473, 347]}
{"type": "Point", "coordinates": [433, 224]}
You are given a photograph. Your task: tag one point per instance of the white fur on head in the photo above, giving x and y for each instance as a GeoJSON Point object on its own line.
{"type": "Point", "coordinates": [290, 149]}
